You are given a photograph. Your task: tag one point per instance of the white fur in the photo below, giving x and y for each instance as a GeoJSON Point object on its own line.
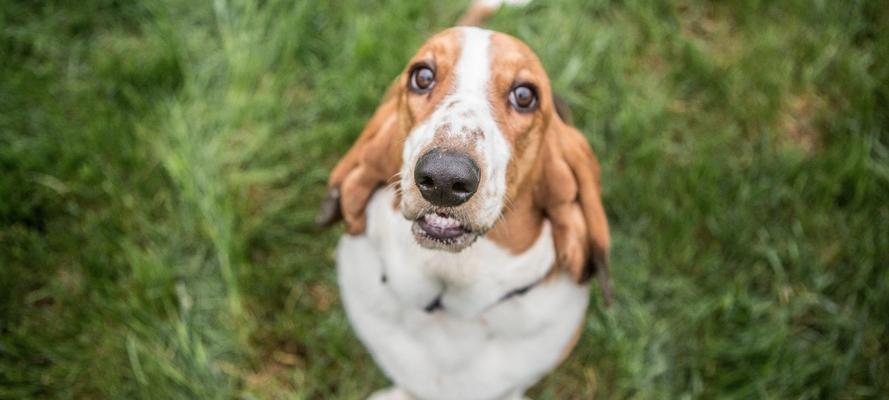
{"type": "Point", "coordinates": [476, 347]}
{"type": "Point", "coordinates": [471, 112]}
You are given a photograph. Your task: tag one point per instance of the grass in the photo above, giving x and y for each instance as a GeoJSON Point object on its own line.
{"type": "Point", "coordinates": [160, 164]}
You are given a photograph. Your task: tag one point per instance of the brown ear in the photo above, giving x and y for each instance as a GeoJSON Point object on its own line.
{"type": "Point", "coordinates": [372, 162]}
{"type": "Point", "coordinates": [569, 194]}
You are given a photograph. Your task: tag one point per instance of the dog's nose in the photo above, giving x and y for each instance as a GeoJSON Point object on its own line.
{"type": "Point", "coordinates": [445, 178]}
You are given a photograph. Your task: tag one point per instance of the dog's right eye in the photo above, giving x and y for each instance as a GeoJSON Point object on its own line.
{"type": "Point", "coordinates": [523, 98]}
{"type": "Point", "coordinates": [422, 79]}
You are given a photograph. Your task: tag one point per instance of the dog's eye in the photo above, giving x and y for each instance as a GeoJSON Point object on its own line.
{"type": "Point", "coordinates": [523, 98]}
{"type": "Point", "coordinates": [422, 79]}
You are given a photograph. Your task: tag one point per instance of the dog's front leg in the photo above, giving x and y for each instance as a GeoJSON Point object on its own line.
{"type": "Point", "coordinates": [392, 393]}
{"type": "Point", "coordinates": [517, 395]}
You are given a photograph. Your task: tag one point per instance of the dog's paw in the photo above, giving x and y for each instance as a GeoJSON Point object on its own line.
{"type": "Point", "coordinates": [392, 393]}
{"type": "Point", "coordinates": [516, 396]}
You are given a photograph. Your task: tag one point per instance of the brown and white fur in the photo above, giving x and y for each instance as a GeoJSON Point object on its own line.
{"type": "Point", "coordinates": [485, 314]}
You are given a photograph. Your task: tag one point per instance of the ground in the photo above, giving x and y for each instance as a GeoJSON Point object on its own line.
{"type": "Point", "coordinates": [161, 163]}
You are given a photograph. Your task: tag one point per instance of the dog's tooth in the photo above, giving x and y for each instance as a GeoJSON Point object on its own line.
{"type": "Point", "coordinates": [440, 221]}
{"type": "Point", "coordinates": [434, 219]}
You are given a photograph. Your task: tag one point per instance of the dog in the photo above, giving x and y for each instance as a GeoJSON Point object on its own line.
{"type": "Point", "coordinates": [474, 222]}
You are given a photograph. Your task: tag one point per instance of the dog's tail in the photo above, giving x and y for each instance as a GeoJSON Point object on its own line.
{"type": "Point", "coordinates": [481, 10]}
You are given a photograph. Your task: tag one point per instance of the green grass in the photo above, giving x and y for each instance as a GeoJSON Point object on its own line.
{"type": "Point", "coordinates": [160, 164]}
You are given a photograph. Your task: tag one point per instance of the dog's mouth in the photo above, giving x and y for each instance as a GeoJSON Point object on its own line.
{"type": "Point", "coordinates": [441, 231]}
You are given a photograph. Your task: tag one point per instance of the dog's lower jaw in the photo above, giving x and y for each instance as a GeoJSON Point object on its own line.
{"type": "Point", "coordinates": [453, 245]}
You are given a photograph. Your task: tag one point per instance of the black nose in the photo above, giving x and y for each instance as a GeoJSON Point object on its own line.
{"type": "Point", "coordinates": [445, 178]}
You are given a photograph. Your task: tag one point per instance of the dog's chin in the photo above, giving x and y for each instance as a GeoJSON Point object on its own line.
{"type": "Point", "coordinates": [439, 231]}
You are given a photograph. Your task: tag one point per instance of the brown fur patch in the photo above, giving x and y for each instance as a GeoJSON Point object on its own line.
{"type": "Point", "coordinates": [571, 197]}
{"type": "Point", "coordinates": [512, 63]}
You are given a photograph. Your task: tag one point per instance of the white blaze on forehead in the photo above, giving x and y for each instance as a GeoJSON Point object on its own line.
{"type": "Point", "coordinates": [467, 113]}
{"type": "Point", "coordinates": [473, 68]}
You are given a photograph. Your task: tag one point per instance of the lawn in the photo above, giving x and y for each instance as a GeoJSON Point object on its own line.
{"type": "Point", "coordinates": [161, 163]}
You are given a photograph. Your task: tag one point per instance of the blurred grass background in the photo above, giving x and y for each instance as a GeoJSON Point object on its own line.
{"type": "Point", "coordinates": [160, 164]}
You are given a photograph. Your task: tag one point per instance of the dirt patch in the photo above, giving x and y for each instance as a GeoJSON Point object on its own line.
{"type": "Point", "coordinates": [712, 28]}
{"type": "Point", "coordinates": [799, 121]}
{"type": "Point", "coordinates": [323, 296]}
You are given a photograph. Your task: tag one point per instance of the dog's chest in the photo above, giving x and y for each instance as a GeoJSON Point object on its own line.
{"type": "Point", "coordinates": [446, 325]}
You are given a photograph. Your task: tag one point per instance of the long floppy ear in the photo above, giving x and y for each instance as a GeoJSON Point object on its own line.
{"type": "Point", "coordinates": [372, 162]}
{"type": "Point", "coordinates": [570, 196]}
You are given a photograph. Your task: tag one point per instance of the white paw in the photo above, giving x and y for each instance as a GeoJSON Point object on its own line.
{"type": "Point", "coordinates": [392, 393]}
{"type": "Point", "coordinates": [516, 396]}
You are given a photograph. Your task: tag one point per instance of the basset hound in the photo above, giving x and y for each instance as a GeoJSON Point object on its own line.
{"type": "Point", "coordinates": [474, 221]}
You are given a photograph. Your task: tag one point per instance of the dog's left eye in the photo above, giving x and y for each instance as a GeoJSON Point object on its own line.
{"type": "Point", "coordinates": [422, 79]}
{"type": "Point", "coordinates": [523, 98]}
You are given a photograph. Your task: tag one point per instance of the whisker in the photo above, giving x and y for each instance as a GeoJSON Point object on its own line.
{"type": "Point", "coordinates": [396, 177]}
{"type": "Point", "coordinates": [507, 203]}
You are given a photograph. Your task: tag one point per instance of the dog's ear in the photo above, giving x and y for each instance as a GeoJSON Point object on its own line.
{"type": "Point", "coordinates": [569, 194]}
{"type": "Point", "coordinates": [562, 109]}
{"type": "Point", "coordinates": [373, 161]}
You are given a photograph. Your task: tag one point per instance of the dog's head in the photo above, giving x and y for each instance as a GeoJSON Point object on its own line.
{"type": "Point", "coordinates": [481, 98]}
{"type": "Point", "coordinates": [470, 135]}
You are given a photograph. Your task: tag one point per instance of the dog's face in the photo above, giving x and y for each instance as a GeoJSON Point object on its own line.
{"type": "Point", "coordinates": [480, 105]}
{"type": "Point", "coordinates": [470, 136]}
